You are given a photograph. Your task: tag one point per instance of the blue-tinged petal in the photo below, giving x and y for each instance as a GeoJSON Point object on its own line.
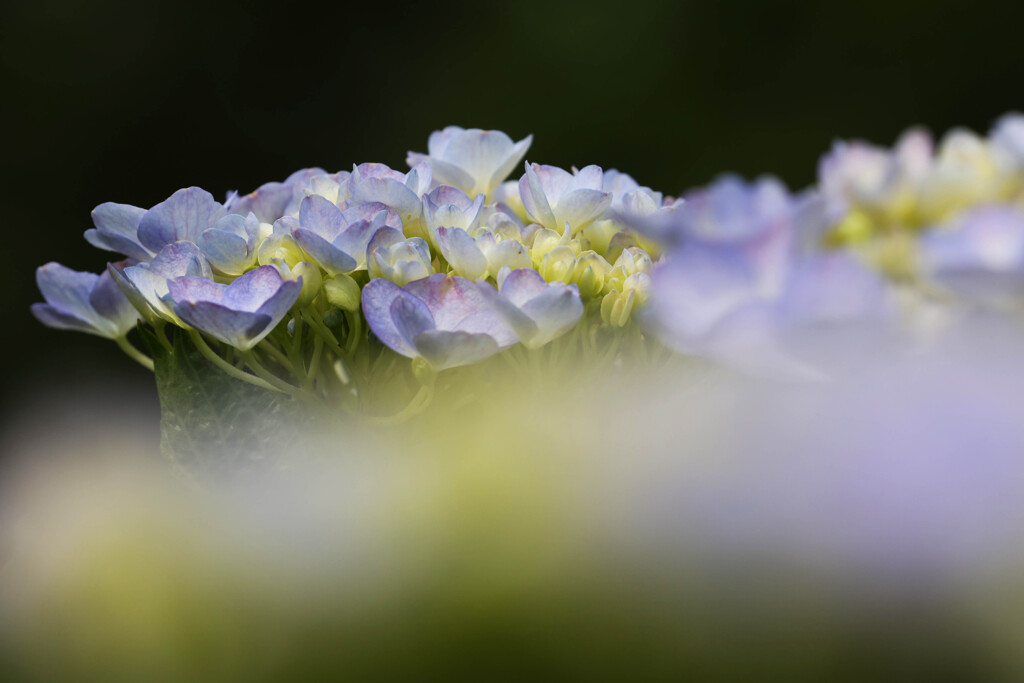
{"type": "Point", "coordinates": [109, 301]}
{"type": "Point", "coordinates": [226, 251]}
{"type": "Point", "coordinates": [241, 329]}
{"type": "Point", "coordinates": [444, 349]}
{"type": "Point", "coordinates": [117, 227]}
{"type": "Point", "coordinates": [281, 301]}
{"type": "Point", "coordinates": [833, 288]}
{"type": "Point", "coordinates": [145, 284]}
{"type": "Point", "coordinates": [370, 211]}
{"type": "Point", "coordinates": [268, 202]}
{"type": "Point", "coordinates": [330, 257]}
{"type": "Point", "coordinates": [248, 292]}
{"type": "Point", "coordinates": [60, 320]}
{"type": "Point", "coordinates": [377, 298]}
{"type": "Point", "coordinates": [321, 217]}
{"type": "Point", "coordinates": [183, 216]}
{"type": "Point", "coordinates": [82, 301]}
{"type": "Point", "coordinates": [180, 258]}
{"type": "Point", "coordinates": [67, 290]}
{"type": "Point", "coordinates": [119, 219]}
{"type": "Point", "coordinates": [190, 288]}
{"type": "Point", "coordinates": [355, 239]}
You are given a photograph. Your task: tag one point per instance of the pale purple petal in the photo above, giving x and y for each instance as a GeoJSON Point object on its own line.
{"type": "Point", "coordinates": [535, 201]}
{"type": "Point", "coordinates": [183, 216]}
{"type": "Point", "coordinates": [444, 349]}
{"type": "Point", "coordinates": [117, 227]}
{"type": "Point", "coordinates": [192, 289]}
{"type": "Point", "coordinates": [241, 329]}
{"type": "Point", "coordinates": [461, 251]}
{"type": "Point", "coordinates": [251, 290]}
{"type": "Point", "coordinates": [321, 216]}
{"type": "Point", "coordinates": [377, 297]}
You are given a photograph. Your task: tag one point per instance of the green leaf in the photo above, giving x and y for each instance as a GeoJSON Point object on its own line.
{"type": "Point", "coordinates": [213, 425]}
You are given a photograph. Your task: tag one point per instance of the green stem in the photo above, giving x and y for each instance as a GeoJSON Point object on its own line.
{"type": "Point", "coordinates": [133, 353]}
{"type": "Point", "coordinates": [211, 356]}
{"type": "Point", "coordinates": [269, 377]}
{"type": "Point", "coordinates": [314, 363]}
{"type": "Point", "coordinates": [417, 405]}
{"type": "Point", "coordinates": [321, 330]}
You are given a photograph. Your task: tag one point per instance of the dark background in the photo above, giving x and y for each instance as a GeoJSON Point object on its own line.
{"type": "Point", "coordinates": [129, 101]}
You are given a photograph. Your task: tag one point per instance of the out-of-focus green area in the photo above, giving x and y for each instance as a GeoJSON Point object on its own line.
{"type": "Point", "coordinates": [126, 101]}
{"type": "Point", "coordinates": [665, 524]}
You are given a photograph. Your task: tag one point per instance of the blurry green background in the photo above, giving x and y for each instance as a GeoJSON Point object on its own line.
{"type": "Point", "coordinates": [129, 101]}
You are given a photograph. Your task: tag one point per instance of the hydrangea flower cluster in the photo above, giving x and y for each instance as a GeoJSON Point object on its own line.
{"type": "Point", "coordinates": [296, 285]}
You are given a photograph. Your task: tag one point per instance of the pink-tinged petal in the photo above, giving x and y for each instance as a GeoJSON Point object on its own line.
{"type": "Point", "coordinates": [535, 201]}
{"type": "Point", "coordinates": [377, 297]}
{"type": "Point", "coordinates": [443, 349]}
{"type": "Point", "coordinates": [183, 216]}
{"type": "Point", "coordinates": [410, 316]}
{"type": "Point", "coordinates": [450, 298]}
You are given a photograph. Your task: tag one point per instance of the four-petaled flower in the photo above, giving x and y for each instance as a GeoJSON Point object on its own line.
{"type": "Point", "coordinates": [241, 313]}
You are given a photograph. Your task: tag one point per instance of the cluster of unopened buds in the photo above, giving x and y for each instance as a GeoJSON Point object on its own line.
{"type": "Point", "coordinates": [299, 285]}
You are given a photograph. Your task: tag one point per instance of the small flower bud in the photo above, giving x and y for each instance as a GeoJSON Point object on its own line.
{"type": "Point", "coordinates": [342, 291]}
